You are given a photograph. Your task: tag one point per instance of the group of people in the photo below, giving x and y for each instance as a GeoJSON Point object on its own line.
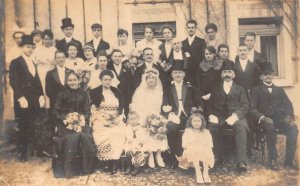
{"type": "Point", "coordinates": [155, 104]}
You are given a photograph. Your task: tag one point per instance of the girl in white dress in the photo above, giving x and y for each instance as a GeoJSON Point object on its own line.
{"type": "Point", "coordinates": [197, 144]}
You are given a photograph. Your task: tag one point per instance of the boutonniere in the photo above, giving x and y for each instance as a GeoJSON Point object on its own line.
{"type": "Point", "coordinates": [187, 54]}
{"type": "Point", "coordinates": [189, 85]}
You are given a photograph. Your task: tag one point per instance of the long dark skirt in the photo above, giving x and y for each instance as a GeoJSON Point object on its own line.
{"type": "Point", "coordinates": [76, 153]}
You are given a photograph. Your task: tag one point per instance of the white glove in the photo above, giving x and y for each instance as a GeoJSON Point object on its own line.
{"type": "Point", "coordinates": [47, 102]}
{"type": "Point", "coordinates": [206, 97]}
{"type": "Point", "coordinates": [23, 102]}
{"type": "Point", "coordinates": [175, 119]}
{"type": "Point", "coordinates": [167, 108]}
{"type": "Point", "coordinates": [42, 101]}
{"type": "Point", "coordinates": [187, 54]}
{"type": "Point", "coordinates": [213, 119]}
{"type": "Point", "coordinates": [232, 119]}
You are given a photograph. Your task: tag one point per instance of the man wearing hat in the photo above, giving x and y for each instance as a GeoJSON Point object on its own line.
{"type": "Point", "coordinates": [97, 42]}
{"type": "Point", "coordinates": [178, 100]}
{"type": "Point", "coordinates": [272, 109]}
{"type": "Point", "coordinates": [227, 107]}
{"type": "Point", "coordinates": [28, 94]}
{"type": "Point", "coordinates": [68, 29]}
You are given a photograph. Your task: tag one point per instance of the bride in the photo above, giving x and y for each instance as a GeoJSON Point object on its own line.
{"type": "Point", "coordinates": [148, 97]}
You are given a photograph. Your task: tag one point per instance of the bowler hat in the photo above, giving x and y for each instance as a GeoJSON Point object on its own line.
{"type": "Point", "coordinates": [66, 22]}
{"type": "Point", "coordinates": [27, 40]}
{"type": "Point", "coordinates": [266, 67]}
{"type": "Point", "coordinates": [228, 65]}
{"type": "Point", "coordinates": [178, 65]}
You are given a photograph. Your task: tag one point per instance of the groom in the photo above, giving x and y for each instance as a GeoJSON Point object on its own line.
{"type": "Point", "coordinates": [178, 101]}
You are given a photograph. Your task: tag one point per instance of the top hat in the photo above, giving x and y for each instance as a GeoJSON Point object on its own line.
{"type": "Point", "coordinates": [228, 65]}
{"type": "Point", "coordinates": [96, 25]}
{"type": "Point", "coordinates": [66, 22]}
{"type": "Point", "coordinates": [178, 65]}
{"type": "Point", "coordinates": [27, 40]}
{"type": "Point", "coordinates": [266, 67]}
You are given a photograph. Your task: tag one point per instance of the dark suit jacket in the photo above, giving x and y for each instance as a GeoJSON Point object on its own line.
{"type": "Point", "coordinates": [248, 78]}
{"type": "Point", "coordinates": [97, 97]}
{"type": "Point", "coordinates": [275, 105]}
{"type": "Point", "coordinates": [237, 102]}
{"type": "Point", "coordinates": [258, 57]}
{"type": "Point", "coordinates": [196, 51]}
{"type": "Point", "coordinates": [62, 46]}
{"type": "Point", "coordinates": [189, 98]}
{"type": "Point", "coordinates": [54, 86]}
{"type": "Point", "coordinates": [102, 47]}
{"type": "Point", "coordinates": [163, 54]}
{"type": "Point", "coordinates": [24, 84]}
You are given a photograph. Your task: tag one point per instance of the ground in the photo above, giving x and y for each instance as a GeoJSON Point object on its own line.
{"type": "Point", "coordinates": [38, 172]}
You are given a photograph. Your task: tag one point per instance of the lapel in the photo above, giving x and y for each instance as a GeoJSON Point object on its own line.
{"type": "Point", "coordinates": [221, 88]}
{"type": "Point", "coordinates": [23, 62]}
{"type": "Point", "coordinates": [232, 89]}
{"type": "Point", "coordinates": [248, 66]}
{"type": "Point", "coordinates": [194, 41]}
{"type": "Point", "coordinates": [174, 93]}
{"type": "Point", "coordinates": [99, 46]}
{"type": "Point", "coordinates": [266, 91]}
{"type": "Point", "coordinates": [56, 77]}
{"type": "Point", "coordinates": [184, 90]}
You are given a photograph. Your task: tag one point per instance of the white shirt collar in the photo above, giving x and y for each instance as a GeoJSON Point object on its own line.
{"type": "Point", "coordinates": [177, 55]}
{"type": "Point", "coordinates": [229, 84]}
{"type": "Point", "coordinates": [68, 39]}
{"type": "Point", "coordinates": [149, 65]}
{"type": "Point", "coordinates": [267, 84]}
{"type": "Point", "coordinates": [118, 68]}
{"type": "Point", "coordinates": [60, 68]}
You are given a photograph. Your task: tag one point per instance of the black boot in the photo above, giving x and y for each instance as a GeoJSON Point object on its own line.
{"type": "Point", "coordinates": [128, 165]}
{"type": "Point", "coordinates": [123, 164]}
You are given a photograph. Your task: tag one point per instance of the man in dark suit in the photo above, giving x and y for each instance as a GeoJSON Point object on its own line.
{"type": "Point", "coordinates": [56, 78]}
{"type": "Point", "coordinates": [193, 47]}
{"type": "Point", "coordinates": [272, 109]}
{"type": "Point", "coordinates": [97, 42]}
{"type": "Point", "coordinates": [148, 64]}
{"type": "Point", "coordinates": [227, 108]}
{"type": "Point", "coordinates": [68, 29]}
{"type": "Point", "coordinates": [166, 47]}
{"type": "Point", "coordinates": [253, 55]}
{"type": "Point", "coordinates": [246, 72]}
{"type": "Point", "coordinates": [28, 94]}
{"type": "Point", "coordinates": [122, 74]}
{"type": "Point", "coordinates": [178, 100]}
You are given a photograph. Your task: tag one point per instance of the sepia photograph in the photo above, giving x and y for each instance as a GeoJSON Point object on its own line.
{"type": "Point", "coordinates": [149, 92]}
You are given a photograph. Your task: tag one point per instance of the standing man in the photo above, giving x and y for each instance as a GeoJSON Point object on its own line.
{"type": "Point", "coordinates": [178, 100]}
{"type": "Point", "coordinates": [253, 55]}
{"type": "Point", "coordinates": [193, 47]}
{"type": "Point", "coordinates": [28, 94]}
{"type": "Point", "coordinates": [68, 29]}
{"type": "Point", "coordinates": [97, 42]}
{"type": "Point", "coordinates": [227, 107]}
{"type": "Point", "coordinates": [272, 109]}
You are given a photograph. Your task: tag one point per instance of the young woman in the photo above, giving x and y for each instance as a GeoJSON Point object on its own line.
{"type": "Point", "coordinates": [94, 80]}
{"type": "Point", "coordinates": [73, 62]}
{"type": "Point", "coordinates": [75, 149]}
{"type": "Point", "coordinates": [123, 45]}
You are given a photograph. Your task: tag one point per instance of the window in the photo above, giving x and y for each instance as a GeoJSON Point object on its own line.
{"type": "Point", "coordinates": [267, 32]}
{"type": "Point", "coordinates": [139, 28]}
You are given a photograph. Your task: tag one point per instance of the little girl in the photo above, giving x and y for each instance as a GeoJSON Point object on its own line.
{"type": "Point", "coordinates": [197, 144]}
{"type": "Point", "coordinates": [133, 145]}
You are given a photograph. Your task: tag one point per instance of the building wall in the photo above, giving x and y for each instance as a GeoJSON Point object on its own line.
{"type": "Point", "coordinates": [114, 14]}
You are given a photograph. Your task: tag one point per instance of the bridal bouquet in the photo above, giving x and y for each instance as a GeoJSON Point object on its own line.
{"type": "Point", "coordinates": [74, 121]}
{"type": "Point", "coordinates": [156, 126]}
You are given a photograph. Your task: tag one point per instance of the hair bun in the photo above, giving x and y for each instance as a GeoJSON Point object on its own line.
{"type": "Point", "coordinates": [198, 110]}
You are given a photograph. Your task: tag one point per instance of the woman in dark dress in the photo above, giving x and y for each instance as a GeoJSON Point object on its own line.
{"type": "Point", "coordinates": [107, 121]}
{"type": "Point", "coordinates": [75, 148]}
{"type": "Point", "coordinates": [208, 73]}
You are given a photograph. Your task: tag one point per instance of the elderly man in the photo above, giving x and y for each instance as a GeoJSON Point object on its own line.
{"type": "Point", "coordinates": [227, 108]}
{"type": "Point", "coordinates": [272, 109]}
{"type": "Point", "coordinates": [28, 93]}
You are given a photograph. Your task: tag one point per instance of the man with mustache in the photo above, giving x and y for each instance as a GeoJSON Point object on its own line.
{"type": "Point", "coordinates": [227, 108]}
{"type": "Point", "coordinates": [271, 109]}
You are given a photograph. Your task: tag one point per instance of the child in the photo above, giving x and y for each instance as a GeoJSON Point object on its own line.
{"type": "Point", "coordinates": [197, 144]}
{"type": "Point", "coordinates": [156, 139]}
{"type": "Point", "coordinates": [134, 143]}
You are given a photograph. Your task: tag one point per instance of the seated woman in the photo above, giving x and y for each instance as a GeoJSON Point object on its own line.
{"type": "Point", "coordinates": [75, 146]}
{"type": "Point", "coordinates": [107, 121]}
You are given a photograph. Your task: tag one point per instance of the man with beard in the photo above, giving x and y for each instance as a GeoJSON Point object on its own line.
{"type": "Point", "coordinates": [227, 108]}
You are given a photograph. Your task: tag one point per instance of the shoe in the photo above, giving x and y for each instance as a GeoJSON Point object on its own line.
{"type": "Point", "coordinates": [274, 165]}
{"type": "Point", "coordinates": [241, 167]}
{"type": "Point", "coordinates": [160, 161]}
{"type": "Point", "coordinates": [206, 178]}
{"type": "Point", "coordinates": [23, 157]}
{"type": "Point", "coordinates": [136, 171]}
{"type": "Point", "coordinates": [123, 164]}
{"type": "Point", "coordinates": [199, 179]}
{"type": "Point", "coordinates": [114, 167]}
{"type": "Point", "coordinates": [291, 166]}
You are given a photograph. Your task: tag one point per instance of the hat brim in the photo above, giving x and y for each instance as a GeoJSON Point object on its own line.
{"type": "Point", "coordinates": [62, 27]}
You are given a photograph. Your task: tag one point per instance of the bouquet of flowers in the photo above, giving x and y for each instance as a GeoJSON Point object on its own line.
{"type": "Point", "coordinates": [156, 126]}
{"type": "Point", "coordinates": [74, 121]}
{"type": "Point", "coordinates": [104, 118]}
